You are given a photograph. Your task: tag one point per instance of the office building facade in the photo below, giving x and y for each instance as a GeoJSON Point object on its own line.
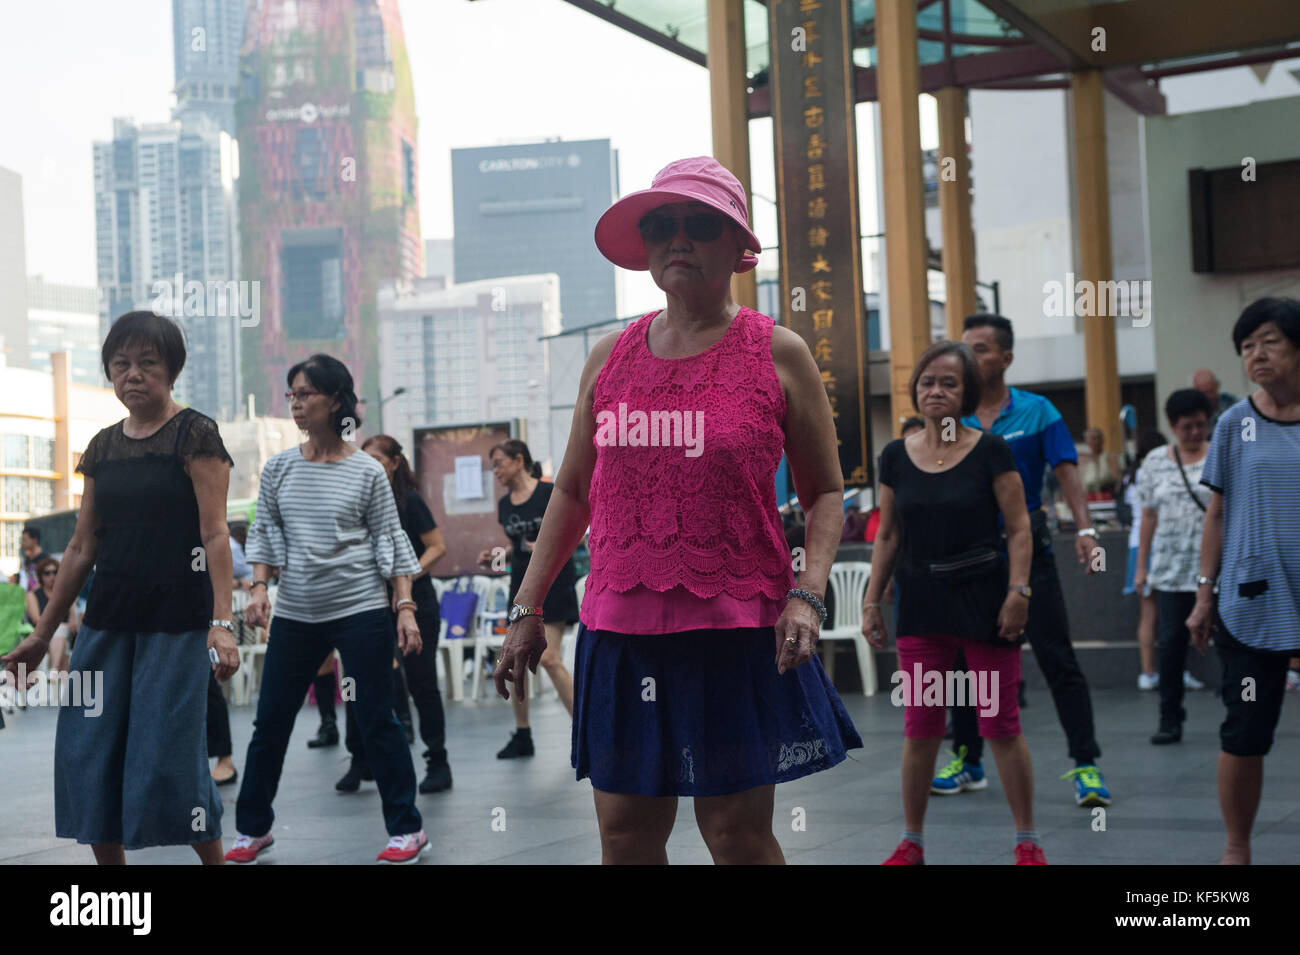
{"type": "Point", "coordinates": [329, 192]}
{"type": "Point", "coordinates": [532, 209]}
{"type": "Point", "coordinates": [64, 318]}
{"type": "Point", "coordinates": [166, 217]}
{"type": "Point", "coordinates": [467, 354]}
{"type": "Point", "coordinates": [206, 38]}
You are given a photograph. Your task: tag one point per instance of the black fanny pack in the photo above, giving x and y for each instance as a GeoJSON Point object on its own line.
{"type": "Point", "coordinates": [973, 564]}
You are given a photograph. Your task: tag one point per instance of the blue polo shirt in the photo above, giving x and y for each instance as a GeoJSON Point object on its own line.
{"type": "Point", "coordinates": [1038, 437]}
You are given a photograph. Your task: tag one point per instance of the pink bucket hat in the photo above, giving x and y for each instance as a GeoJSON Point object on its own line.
{"type": "Point", "coordinates": [699, 179]}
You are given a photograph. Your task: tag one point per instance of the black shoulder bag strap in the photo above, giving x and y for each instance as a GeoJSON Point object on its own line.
{"type": "Point", "coordinates": [1186, 483]}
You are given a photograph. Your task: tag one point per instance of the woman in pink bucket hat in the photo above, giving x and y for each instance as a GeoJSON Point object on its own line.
{"type": "Point", "coordinates": [695, 672]}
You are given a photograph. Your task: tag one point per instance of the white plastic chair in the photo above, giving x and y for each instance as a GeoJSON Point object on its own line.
{"type": "Point", "coordinates": [849, 580]}
{"type": "Point", "coordinates": [451, 653]}
{"type": "Point", "coordinates": [493, 599]}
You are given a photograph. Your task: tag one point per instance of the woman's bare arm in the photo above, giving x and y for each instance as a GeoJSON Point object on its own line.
{"type": "Point", "coordinates": [211, 478]}
{"type": "Point", "coordinates": [884, 552]}
{"type": "Point", "coordinates": [810, 449]}
{"type": "Point", "coordinates": [1010, 492]}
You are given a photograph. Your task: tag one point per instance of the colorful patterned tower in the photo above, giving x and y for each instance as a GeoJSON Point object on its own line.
{"type": "Point", "coordinates": [328, 186]}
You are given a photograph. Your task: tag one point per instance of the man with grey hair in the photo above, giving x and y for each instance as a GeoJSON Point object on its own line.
{"type": "Point", "coordinates": [1204, 381]}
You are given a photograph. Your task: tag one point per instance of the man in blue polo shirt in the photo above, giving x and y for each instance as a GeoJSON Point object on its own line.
{"type": "Point", "coordinates": [1038, 437]}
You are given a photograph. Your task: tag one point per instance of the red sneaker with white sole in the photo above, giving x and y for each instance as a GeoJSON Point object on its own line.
{"type": "Point", "coordinates": [1030, 853]}
{"type": "Point", "coordinates": [403, 850]}
{"type": "Point", "coordinates": [246, 849]}
{"type": "Point", "coordinates": [907, 853]}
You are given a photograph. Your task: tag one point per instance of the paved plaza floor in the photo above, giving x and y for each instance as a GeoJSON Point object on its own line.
{"type": "Point", "coordinates": [1165, 807]}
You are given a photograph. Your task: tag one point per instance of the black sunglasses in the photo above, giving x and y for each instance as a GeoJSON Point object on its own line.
{"type": "Point", "coordinates": [699, 227]}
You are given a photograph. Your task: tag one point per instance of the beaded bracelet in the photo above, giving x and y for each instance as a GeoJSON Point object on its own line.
{"type": "Point", "coordinates": [809, 597]}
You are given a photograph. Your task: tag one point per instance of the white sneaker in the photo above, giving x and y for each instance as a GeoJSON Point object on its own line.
{"type": "Point", "coordinates": [1191, 683]}
{"type": "Point", "coordinates": [1148, 681]}
{"type": "Point", "coordinates": [1293, 679]}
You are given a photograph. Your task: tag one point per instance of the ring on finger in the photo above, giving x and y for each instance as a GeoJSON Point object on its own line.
{"type": "Point", "coordinates": [792, 641]}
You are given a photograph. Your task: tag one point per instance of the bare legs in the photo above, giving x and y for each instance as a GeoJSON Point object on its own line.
{"type": "Point", "coordinates": [1015, 769]}
{"type": "Point", "coordinates": [737, 828]}
{"type": "Point", "coordinates": [553, 662]}
{"type": "Point", "coordinates": [1147, 634]}
{"type": "Point", "coordinates": [1241, 782]}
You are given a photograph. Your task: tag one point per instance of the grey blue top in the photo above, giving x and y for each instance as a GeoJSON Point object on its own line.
{"type": "Point", "coordinates": [333, 530]}
{"type": "Point", "coordinates": [1253, 462]}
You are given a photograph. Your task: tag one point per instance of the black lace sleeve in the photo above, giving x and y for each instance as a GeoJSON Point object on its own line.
{"type": "Point", "coordinates": [203, 438]}
{"type": "Point", "coordinates": [91, 457]}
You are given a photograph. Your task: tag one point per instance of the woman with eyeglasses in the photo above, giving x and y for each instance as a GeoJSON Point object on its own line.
{"type": "Point", "coordinates": [47, 569]}
{"type": "Point", "coordinates": [326, 519]}
{"type": "Point", "coordinates": [695, 672]}
{"type": "Point", "coordinates": [520, 512]}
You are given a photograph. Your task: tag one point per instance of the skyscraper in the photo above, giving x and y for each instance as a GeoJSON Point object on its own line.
{"type": "Point", "coordinates": [532, 209]}
{"type": "Point", "coordinates": [329, 191]}
{"type": "Point", "coordinates": [206, 37]}
{"type": "Point", "coordinates": [165, 210]}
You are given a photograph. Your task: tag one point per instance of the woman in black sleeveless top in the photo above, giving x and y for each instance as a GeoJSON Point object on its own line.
{"type": "Point", "coordinates": [153, 524]}
{"type": "Point", "coordinates": [47, 568]}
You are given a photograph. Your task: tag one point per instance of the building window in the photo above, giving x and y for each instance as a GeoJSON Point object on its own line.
{"type": "Point", "coordinates": [11, 542]}
{"type": "Point", "coordinates": [312, 265]}
{"type": "Point", "coordinates": [42, 496]}
{"type": "Point", "coordinates": [15, 450]}
{"type": "Point", "coordinates": [408, 170]}
{"type": "Point", "coordinates": [42, 454]}
{"type": "Point", "coordinates": [16, 498]}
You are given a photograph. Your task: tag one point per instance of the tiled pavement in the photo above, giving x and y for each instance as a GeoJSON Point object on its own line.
{"type": "Point", "coordinates": [1165, 808]}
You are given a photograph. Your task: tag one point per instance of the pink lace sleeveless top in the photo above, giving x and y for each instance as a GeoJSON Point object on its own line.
{"type": "Point", "coordinates": [685, 532]}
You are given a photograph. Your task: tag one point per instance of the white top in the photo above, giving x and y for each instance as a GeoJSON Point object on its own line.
{"type": "Point", "coordinates": [333, 530]}
{"type": "Point", "coordinates": [1135, 509]}
{"type": "Point", "coordinates": [1175, 559]}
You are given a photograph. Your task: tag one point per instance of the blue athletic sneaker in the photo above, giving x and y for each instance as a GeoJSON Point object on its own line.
{"type": "Point", "coordinates": [1089, 786]}
{"type": "Point", "coordinates": [959, 776]}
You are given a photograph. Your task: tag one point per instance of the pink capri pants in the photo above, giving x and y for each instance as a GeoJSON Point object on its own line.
{"type": "Point", "coordinates": [997, 671]}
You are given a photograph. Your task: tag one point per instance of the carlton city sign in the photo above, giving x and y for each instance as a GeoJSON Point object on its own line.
{"type": "Point", "coordinates": [307, 113]}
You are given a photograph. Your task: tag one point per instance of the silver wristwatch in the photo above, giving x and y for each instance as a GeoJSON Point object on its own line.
{"type": "Point", "coordinates": [228, 625]}
{"type": "Point", "coordinates": [518, 612]}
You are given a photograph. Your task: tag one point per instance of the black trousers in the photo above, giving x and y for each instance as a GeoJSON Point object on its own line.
{"type": "Point", "coordinates": [1048, 633]}
{"type": "Point", "coordinates": [219, 744]}
{"type": "Point", "coordinates": [422, 679]}
{"type": "Point", "coordinates": [1172, 639]}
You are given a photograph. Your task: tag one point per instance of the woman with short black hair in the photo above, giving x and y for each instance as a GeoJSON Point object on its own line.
{"type": "Point", "coordinates": [153, 525]}
{"type": "Point", "coordinates": [1251, 544]}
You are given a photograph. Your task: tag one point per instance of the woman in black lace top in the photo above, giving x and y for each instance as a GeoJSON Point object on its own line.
{"type": "Point", "coordinates": [153, 524]}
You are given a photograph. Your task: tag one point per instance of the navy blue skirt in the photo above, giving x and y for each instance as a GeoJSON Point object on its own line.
{"type": "Point", "coordinates": [700, 713]}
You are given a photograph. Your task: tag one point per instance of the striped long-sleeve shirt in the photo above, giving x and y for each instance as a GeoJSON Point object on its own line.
{"type": "Point", "coordinates": [333, 530]}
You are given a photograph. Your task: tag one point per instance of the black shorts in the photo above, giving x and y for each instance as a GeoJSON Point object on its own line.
{"type": "Point", "coordinates": [1254, 685]}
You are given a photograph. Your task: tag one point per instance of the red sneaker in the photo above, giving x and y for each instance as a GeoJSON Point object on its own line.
{"type": "Point", "coordinates": [907, 853]}
{"type": "Point", "coordinates": [246, 849]}
{"type": "Point", "coordinates": [1030, 853]}
{"type": "Point", "coordinates": [403, 850]}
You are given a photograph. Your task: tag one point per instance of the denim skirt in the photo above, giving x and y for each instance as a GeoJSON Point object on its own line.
{"type": "Point", "coordinates": [700, 713]}
{"type": "Point", "coordinates": [130, 754]}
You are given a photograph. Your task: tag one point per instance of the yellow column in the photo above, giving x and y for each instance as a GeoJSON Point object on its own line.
{"type": "Point", "coordinates": [61, 366]}
{"type": "Point", "coordinates": [905, 248]}
{"type": "Point", "coordinates": [729, 100]}
{"type": "Point", "coordinates": [1092, 192]}
{"type": "Point", "coordinates": [954, 210]}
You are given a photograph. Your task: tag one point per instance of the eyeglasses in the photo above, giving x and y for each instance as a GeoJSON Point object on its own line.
{"type": "Point", "coordinates": [699, 227]}
{"type": "Point", "coordinates": [300, 396]}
